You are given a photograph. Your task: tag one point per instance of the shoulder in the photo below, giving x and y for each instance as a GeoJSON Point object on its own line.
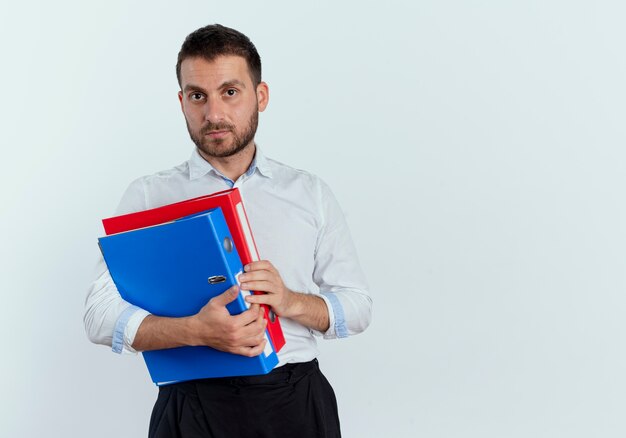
{"type": "Point", "coordinates": [164, 176]}
{"type": "Point", "coordinates": [288, 175]}
{"type": "Point", "coordinates": [162, 179]}
{"type": "Point", "coordinates": [140, 193]}
{"type": "Point", "coordinates": [303, 188]}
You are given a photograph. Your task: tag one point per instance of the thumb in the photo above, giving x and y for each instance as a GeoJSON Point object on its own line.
{"type": "Point", "coordinates": [228, 296]}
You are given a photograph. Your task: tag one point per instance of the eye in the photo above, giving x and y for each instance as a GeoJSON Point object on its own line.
{"type": "Point", "coordinates": [196, 96]}
{"type": "Point", "coordinates": [231, 92]}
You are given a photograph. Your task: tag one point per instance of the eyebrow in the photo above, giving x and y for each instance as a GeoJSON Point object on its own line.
{"type": "Point", "coordinates": [225, 84]}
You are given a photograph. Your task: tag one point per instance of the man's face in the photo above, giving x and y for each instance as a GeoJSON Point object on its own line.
{"type": "Point", "coordinates": [221, 104]}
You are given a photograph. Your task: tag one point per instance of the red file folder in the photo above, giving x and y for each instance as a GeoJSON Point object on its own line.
{"type": "Point", "coordinates": [235, 214]}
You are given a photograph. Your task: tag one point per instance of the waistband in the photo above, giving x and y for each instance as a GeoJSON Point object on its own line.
{"type": "Point", "coordinates": [284, 374]}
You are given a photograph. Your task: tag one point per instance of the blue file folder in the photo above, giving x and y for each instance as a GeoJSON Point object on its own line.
{"type": "Point", "coordinates": [173, 270]}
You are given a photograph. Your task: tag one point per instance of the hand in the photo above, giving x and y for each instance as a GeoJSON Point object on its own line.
{"type": "Point", "coordinates": [242, 334]}
{"type": "Point", "coordinates": [262, 276]}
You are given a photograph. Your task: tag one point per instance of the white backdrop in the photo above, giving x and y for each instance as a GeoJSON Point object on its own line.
{"type": "Point", "coordinates": [477, 149]}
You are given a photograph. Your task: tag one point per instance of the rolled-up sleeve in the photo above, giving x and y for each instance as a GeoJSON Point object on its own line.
{"type": "Point", "coordinates": [108, 318]}
{"type": "Point", "coordinates": [338, 274]}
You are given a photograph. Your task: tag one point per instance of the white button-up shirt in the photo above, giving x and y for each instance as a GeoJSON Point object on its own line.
{"type": "Point", "coordinates": [297, 225]}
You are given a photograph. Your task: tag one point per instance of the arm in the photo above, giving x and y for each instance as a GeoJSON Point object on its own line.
{"type": "Point", "coordinates": [309, 310]}
{"type": "Point", "coordinates": [338, 272]}
{"type": "Point", "coordinates": [212, 326]}
{"type": "Point", "coordinates": [343, 307]}
{"type": "Point", "coordinates": [110, 320]}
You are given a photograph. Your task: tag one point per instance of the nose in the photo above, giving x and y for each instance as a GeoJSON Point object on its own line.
{"type": "Point", "coordinates": [214, 111]}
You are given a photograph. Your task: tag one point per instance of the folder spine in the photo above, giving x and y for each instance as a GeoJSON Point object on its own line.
{"type": "Point", "coordinates": [232, 261]}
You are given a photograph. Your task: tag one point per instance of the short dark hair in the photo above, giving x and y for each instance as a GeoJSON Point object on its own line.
{"type": "Point", "coordinates": [215, 40]}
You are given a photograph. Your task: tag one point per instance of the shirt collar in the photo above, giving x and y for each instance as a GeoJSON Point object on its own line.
{"type": "Point", "coordinates": [198, 166]}
{"type": "Point", "coordinates": [261, 163]}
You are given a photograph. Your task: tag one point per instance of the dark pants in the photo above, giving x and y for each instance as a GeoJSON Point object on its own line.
{"type": "Point", "coordinates": [294, 400]}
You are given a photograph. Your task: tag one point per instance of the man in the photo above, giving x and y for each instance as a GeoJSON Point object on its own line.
{"type": "Point", "coordinates": [311, 276]}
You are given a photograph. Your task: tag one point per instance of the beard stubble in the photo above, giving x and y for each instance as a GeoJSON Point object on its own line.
{"type": "Point", "coordinates": [215, 147]}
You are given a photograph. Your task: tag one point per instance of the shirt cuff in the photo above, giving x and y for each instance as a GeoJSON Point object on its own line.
{"type": "Point", "coordinates": [126, 328]}
{"type": "Point", "coordinates": [336, 319]}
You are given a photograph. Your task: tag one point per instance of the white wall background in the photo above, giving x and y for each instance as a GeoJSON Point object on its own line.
{"type": "Point", "coordinates": [477, 149]}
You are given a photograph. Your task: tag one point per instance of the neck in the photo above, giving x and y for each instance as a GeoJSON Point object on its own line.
{"type": "Point", "coordinates": [234, 166]}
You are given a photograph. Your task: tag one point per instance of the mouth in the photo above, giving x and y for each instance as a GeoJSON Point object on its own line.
{"type": "Point", "coordinates": [217, 134]}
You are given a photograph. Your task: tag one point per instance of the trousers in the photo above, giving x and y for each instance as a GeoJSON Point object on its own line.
{"type": "Point", "coordinates": [294, 400]}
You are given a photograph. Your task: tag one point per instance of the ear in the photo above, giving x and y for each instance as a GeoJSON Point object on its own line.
{"type": "Point", "coordinates": [262, 96]}
{"type": "Point", "coordinates": [180, 99]}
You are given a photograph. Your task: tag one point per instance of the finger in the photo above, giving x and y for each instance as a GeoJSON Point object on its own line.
{"type": "Point", "coordinates": [255, 306]}
{"type": "Point", "coordinates": [259, 299]}
{"type": "Point", "coordinates": [260, 286]}
{"type": "Point", "coordinates": [252, 333]}
{"type": "Point", "coordinates": [248, 316]}
{"type": "Point", "coordinates": [249, 336]}
{"type": "Point", "coordinates": [261, 321]}
{"type": "Point", "coordinates": [259, 266]}
{"type": "Point", "coordinates": [253, 351]}
{"type": "Point", "coordinates": [261, 318]}
{"type": "Point", "coordinates": [256, 276]}
{"type": "Point", "coordinates": [228, 296]}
